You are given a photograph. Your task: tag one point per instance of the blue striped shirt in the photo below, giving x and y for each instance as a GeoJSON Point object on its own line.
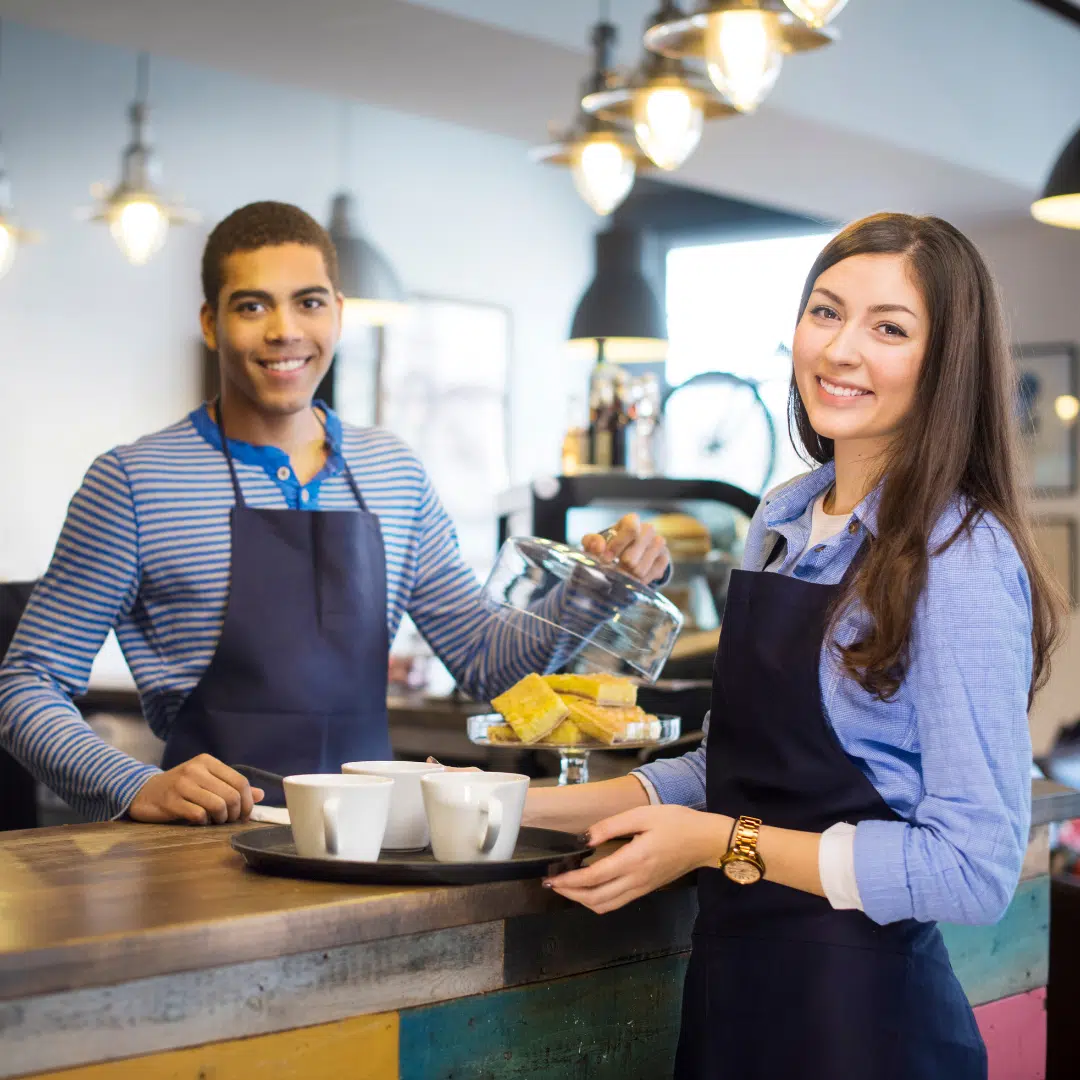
{"type": "Point", "coordinates": [145, 550]}
{"type": "Point", "coordinates": [951, 753]}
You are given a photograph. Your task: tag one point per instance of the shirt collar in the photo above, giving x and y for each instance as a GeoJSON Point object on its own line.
{"type": "Point", "coordinates": [266, 457]}
{"type": "Point", "coordinates": [789, 502]}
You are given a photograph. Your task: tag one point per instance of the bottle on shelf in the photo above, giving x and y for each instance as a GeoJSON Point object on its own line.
{"type": "Point", "coordinates": [608, 413]}
{"type": "Point", "coordinates": [575, 441]}
{"type": "Point", "coordinates": [643, 451]}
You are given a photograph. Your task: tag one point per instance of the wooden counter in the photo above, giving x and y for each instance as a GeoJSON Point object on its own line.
{"type": "Point", "coordinates": [156, 945]}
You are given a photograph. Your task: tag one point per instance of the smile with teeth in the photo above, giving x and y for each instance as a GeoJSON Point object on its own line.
{"type": "Point", "coordinates": [283, 365]}
{"type": "Point", "coordinates": [840, 391]}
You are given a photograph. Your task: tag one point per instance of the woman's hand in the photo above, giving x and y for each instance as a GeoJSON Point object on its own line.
{"type": "Point", "coordinates": [668, 842]}
{"type": "Point", "coordinates": [636, 547]}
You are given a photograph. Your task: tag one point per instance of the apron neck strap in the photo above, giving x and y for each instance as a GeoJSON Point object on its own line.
{"type": "Point", "coordinates": [232, 467]}
{"type": "Point", "coordinates": [228, 454]}
{"type": "Point", "coordinates": [335, 449]}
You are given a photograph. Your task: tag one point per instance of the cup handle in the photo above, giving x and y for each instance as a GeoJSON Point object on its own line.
{"type": "Point", "coordinates": [330, 824]}
{"type": "Point", "coordinates": [492, 825]}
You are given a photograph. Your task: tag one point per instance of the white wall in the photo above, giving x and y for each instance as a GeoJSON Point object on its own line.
{"type": "Point", "coordinates": [1038, 269]}
{"type": "Point", "coordinates": [94, 352]}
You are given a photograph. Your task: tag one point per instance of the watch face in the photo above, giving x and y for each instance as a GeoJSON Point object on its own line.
{"type": "Point", "coordinates": [742, 872]}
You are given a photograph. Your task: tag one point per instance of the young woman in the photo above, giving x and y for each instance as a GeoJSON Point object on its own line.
{"type": "Point", "coordinates": [866, 771]}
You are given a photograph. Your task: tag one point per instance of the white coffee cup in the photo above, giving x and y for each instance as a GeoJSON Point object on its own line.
{"type": "Point", "coordinates": [338, 817]}
{"type": "Point", "coordinates": [407, 828]}
{"type": "Point", "coordinates": [474, 816]}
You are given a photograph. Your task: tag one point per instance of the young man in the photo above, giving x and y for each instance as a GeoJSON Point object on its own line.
{"type": "Point", "coordinates": [255, 560]}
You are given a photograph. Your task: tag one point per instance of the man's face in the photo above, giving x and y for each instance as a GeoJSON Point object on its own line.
{"type": "Point", "coordinates": [275, 327]}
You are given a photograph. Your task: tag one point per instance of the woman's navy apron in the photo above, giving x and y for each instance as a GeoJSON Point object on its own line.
{"type": "Point", "coordinates": [297, 683]}
{"type": "Point", "coordinates": [780, 984]}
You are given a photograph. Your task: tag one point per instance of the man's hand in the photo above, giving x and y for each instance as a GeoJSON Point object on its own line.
{"type": "Point", "coordinates": [202, 791]}
{"type": "Point", "coordinates": [636, 547]}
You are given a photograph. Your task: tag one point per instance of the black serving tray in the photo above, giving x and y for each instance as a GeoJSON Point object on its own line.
{"type": "Point", "coordinates": [539, 853]}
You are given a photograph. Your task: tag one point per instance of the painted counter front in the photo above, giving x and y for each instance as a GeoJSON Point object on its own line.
{"type": "Point", "coordinates": [139, 952]}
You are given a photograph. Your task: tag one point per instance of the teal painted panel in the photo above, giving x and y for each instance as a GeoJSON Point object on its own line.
{"type": "Point", "coordinates": [614, 1024]}
{"type": "Point", "coordinates": [994, 962]}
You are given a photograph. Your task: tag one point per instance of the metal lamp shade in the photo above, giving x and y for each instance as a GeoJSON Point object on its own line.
{"type": "Point", "coordinates": [1060, 202]}
{"type": "Point", "coordinates": [620, 306]}
{"type": "Point", "coordinates": [372, 288]}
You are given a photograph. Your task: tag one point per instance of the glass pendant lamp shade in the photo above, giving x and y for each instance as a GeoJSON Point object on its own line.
{"type": "Point", "coordinates": [603, 169]}
{"type": "Point", "coordinates": [668, 121]}
{"type": "Point", "coordinates": [11, 236]}
{"type": "Point", "coordinates": [139, 227]}
{"type": "Point", "coordinates": [137, 214]}
{"type": "Point", "coordinates": [1060, 201]}
{"type": "Point", "coordinates": [665, 101]}
{"type": "Point", "coordinates": [743, 55]}
{"type": "Point", "coordinates": [8, 246]}
{"type": "Point", "coordinates": [600, 152]}
{"type": "Point", "coordinates": [816, 13]}
{"type": "Point", "coordinates": [742, 43]}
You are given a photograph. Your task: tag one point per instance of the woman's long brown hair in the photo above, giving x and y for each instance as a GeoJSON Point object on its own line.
{"type": "Point", "coordinates": [960, 438]}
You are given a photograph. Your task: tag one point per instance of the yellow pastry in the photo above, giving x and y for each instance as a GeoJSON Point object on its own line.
{"type": "Point", "coordinates": [531, 708]}
{"type": "Point", "coordinates": [603, 689]}
{"type": "Point", "coordinates": [502, 733]}
{"type": "Point", "coordinates": [604, 722]}
{"type": "Point", "coordinates": [566, 734]}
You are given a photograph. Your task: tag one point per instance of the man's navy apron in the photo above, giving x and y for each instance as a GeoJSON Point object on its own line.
{"type": "Point", "coordinates": [780, 984]}
{"type": "Point", "coordinates": [298, 681]}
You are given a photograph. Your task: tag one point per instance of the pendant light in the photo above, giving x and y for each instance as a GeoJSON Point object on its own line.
{"type": "Point", "coordinates": [602, 155]}
{"type": "Point", "coordinates": [137, 214]}
{"type": "Point", "coordinates": [11, 236]}
{"type": "Point", "coordinates": [1060, 201]}
{"type": "Point", "coordinates": [664, 99]}
{"type": "Point", "coordinates": [816, 13]}
{"type": "Point", "coordinates": [742, 42]}
{"type": "Point", "coordinates": [620, 316]}
{"type": "Point", "coordinates": [373, 292]}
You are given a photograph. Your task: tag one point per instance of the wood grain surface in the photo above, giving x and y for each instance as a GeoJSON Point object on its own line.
{"type": "Point", "coordinates": [95, 905]}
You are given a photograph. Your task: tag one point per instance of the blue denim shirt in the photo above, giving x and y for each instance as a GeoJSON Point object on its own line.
{"type": "Point", "coordinates": [951, 753]}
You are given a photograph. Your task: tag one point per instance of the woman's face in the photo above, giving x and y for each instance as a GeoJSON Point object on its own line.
{"type": "Point", "coordinates": [858, 349]}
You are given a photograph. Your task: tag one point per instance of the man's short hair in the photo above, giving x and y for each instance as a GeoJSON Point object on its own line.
{"type": "Point", "coordinates": [259, 225]}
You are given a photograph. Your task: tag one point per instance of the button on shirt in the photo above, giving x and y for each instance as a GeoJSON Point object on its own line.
{"type": "Point", "coordinates": [951, 753]}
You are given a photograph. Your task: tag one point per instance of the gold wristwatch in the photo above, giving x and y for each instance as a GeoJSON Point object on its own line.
{"type": "Point", "coordinates": [741, 862]}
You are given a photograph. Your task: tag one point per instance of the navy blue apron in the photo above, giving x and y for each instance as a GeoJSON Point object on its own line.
{"type": "Point", "coordinates": [297, 683]}
{"type": "Point", "coordinates": [780, 984]}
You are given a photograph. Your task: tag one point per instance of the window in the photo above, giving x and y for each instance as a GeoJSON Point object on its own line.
{"type": "Point", "coordinates": [732, 307]}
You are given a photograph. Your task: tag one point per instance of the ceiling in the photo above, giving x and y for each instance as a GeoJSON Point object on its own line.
{"type": "Point", "coordinates": [955, 108]}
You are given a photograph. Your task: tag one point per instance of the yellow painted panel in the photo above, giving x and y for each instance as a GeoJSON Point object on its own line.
{"type": "Point", "coordinates": [360, 1048]}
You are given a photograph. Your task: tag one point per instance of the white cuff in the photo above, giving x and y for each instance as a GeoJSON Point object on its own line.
{"type": "Point", "coordinates": [647, 784]}
{"type": "Point", "coordinates": [836, 867]}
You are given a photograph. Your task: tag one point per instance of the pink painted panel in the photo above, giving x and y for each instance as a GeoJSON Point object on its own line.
{"type": "Point", "coordinates": [1014, 1030]}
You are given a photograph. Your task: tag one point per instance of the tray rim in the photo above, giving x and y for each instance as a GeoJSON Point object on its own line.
{"type": "Point", "coordinates": [406, 871]}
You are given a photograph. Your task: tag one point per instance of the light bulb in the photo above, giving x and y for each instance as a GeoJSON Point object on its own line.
{"type": "Point", "coordinates": [742, 52]}
{"type": "Point", "coordinates": [815, 13]}
{"type": "Point", "coordinates": [603, 171]}
{"type": "Point", "coordinates": [139, 229]}
{"type": "Point", "coordinates": [1060, 210]}
{"type": "Point", "coordinates": [1067, 408]}
{"type": "Point", "coordinates": [667, 124]}
{"type": "Point", "coordinates": [8, 246]}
